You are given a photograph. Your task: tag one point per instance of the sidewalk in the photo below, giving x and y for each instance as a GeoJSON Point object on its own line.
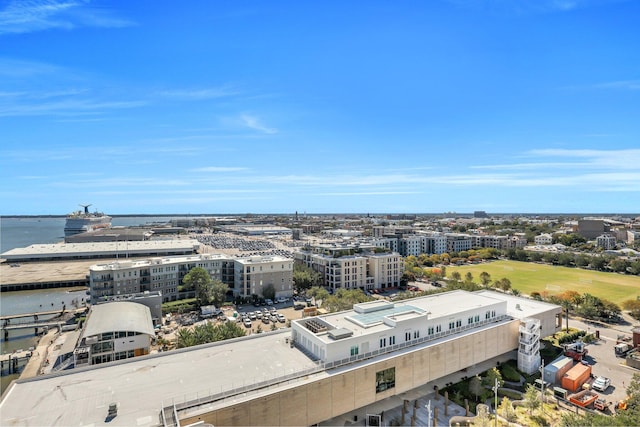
{"type": "Point", "coordinates": [39, 355]}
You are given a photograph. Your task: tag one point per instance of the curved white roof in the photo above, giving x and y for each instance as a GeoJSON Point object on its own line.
{"type": "Point", "coordinates": [119, 316]}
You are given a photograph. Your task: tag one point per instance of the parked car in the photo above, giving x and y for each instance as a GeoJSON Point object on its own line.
{"type": "Point", "coordinates": [269, 301]}
{"type": "Point", "coordinates": [252, 315]}
{"type": "Point", "coordinates": [265, 319]}
{"type": "Point", "coordinates": [601, 384]}
{"type": "Point", "coordinates": [281, 318]}
{"type": "Point", "coordinates": [247, 323]}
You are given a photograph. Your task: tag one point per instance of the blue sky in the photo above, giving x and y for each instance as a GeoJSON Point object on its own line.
{"type": "Point", "coordinates": [337, 106]}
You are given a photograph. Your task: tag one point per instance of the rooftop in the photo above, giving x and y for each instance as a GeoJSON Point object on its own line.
{"type": "Point", "coordinates": [119, 316]}
{"type": "Point", "coordinates": [86, 249]}
{"type": "Point", "coordinates": [141, 386]}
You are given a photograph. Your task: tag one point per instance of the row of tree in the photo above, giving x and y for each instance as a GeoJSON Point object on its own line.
{"type": "Point", "coordinates": [584, 305]}
{"type": "Point", "coordinates": [208, 332]}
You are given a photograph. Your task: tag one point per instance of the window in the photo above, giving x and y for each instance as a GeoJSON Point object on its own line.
{"type": "Point", "coordinates": [354, 350]}
{"type": "Point", "coordinates": [458, 323]}
{"type": "Point", "coordinates": [438, 328]}
{"type": "Point", "coordinates": [452, 325]}
{"type": "Point", "coordinates": [407, 336]}
{"type": "Point", "coordinates": [416, 334]}
{"type": "Point", "coordinates": [383, 342]}
{"type": "Point", "coordinates": [430, 330]}
{"type": "Point", "coordinates": [385, 380]}
{"type": "Point", "coordinates": [392, 340]}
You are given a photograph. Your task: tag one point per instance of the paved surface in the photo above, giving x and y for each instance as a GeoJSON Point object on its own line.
{"type": "Point", "coordinates": [601, 355]}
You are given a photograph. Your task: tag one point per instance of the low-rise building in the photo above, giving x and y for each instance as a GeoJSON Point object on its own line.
{"type": "Point", "coordinates": [114, 331]}
{"type": "Point", "coordinates": [606, 241]}
{"type": "Point", "coordinates": [543, 239]}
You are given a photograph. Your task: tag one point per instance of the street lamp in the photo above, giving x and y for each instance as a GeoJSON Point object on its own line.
{"type": "Point", "coordinates": [542, 384]}
{"type": "Point", "coordinates": [428, 406]}
{"type": "Point", "coordinates": [495, 410]}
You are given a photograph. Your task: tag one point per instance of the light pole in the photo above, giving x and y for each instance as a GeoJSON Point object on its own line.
{"type": "Point", "coordinates": [542, 384]}
{"type": "Point", "coordinates": [428, 406]}
{"type": "Point", "coordinates": [495, 410]}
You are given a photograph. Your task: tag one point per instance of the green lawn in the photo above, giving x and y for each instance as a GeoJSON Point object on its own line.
{"type": "Point", "coordinates": [530, 277]}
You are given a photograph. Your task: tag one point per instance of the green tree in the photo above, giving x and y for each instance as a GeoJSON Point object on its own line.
{"type": "Point", "coordinates": [344, 299]}
{"type": "Point", "coordinates": [199, 279]}
{"type": "Point", "coordinates": [485, 279]}
{"type": "Point", "coordinates": [633, 306]}
{"type": "Point", "coordinates": [305, 277]}
{"type": "Point", "coordinates": [493, 374]}
{"type": "Point", "coordinates": [506, 409]}
{"type": "Point", "coordinates": [219, 293]}
{"type": "Point", "coordinates": [531, 398]}
{"type": "Point", "coordinates": [475, 386]}
{"type": "Point", "coordinates": [468, 277]}
{"type": "Point", "coordinates": [319, 293]}
{"type": "Point", "coordinates": [269, 291]}
{"type": "Point", "coordinates": [185, 338]}
{"type": "Point", "coordinates": [504, 284]}
{"type": "Point", "coordinates": [456, 276]}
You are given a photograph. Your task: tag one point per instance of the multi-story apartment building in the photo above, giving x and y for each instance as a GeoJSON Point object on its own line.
{"type": "Point", "coordinates": [543, 239]}
{"type": "Point", "coordinates": [251, 275]}
{"type": "Point", "coordinates": [365, 270]}
{"type": "Point", "coordinates": [606, 241]}
{"type": "Point", "coordinates": [458, 242]}
{"type": "Point", "coordinates": [166, 275]}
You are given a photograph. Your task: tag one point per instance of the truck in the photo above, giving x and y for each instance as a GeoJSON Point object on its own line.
{"type": "Point", "coordinates": [601, 384]}
{"type": "Point", "coordinates": [601, 404]}
{"type": "Point", "coordinates": [576, 350]}
{"type": "Point", "coordinates": [622, 349]}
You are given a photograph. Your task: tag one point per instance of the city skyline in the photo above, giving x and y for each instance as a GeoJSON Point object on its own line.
{"type": "Point", "coordinates": [165, 108]}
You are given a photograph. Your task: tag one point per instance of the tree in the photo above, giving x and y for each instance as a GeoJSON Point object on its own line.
{"type": "Point", "coordinates": [344, 299]}
{"type": "Point", "coordinates": [219, 293]}
{"type": "Point", "coordinates": [305, 277]}
{"type": "Point", "coordinates": [198, 278]}
{"type": "Point", "coordinates": [506, 408]}
{"type": "Point", "coordinates": [468, 277]}
{"type": "Point", "coordinates": [493, 374]}
{"type": "Point", "coordinates": [633, 306]}
{"type": "Point", "coordinates": [475, 386]}
{"type": "Point", "coordinates": [531, 399]}
{"type": "Point", "coordinates": [269, 291]}
{"type": "Point", "coordinates": [319, 293]}
{"type": "Point", "coordinates": [456, 276]}
{"type": "Point", "coordinates": [504, 284]}
{"type": "Point", "coordinates": [485, 279]}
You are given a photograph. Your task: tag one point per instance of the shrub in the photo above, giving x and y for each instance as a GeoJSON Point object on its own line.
{"type": "Point", "coordinates": [509, 373]}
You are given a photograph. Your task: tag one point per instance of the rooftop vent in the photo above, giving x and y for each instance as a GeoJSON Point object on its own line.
{"type": "Point", "coordinates": [338, 334]}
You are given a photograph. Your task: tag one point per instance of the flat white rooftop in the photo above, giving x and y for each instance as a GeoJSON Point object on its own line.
{"type": "Point", "coordinates": [176, 259]}
{"type": "Point", "coordinates": [518, 307]}
{"type": "Point", "coordinates": [86, 249]}
{"type": "Point", "coordinates": [142, 386]}
{"type": "Point", "coordinates": [367, 318]}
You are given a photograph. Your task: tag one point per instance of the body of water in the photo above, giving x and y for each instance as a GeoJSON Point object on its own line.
{"type": "Point", "coordinates": [23, 232]}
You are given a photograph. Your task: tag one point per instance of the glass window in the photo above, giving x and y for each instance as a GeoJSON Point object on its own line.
{"type": "Point", "coordinates": [385, 380]}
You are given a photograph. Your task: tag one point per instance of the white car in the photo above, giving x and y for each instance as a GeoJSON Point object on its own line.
{"type": "Point", "coordinates": [247, 323]}
{"type": "Point", "coordinates": [601, 384]}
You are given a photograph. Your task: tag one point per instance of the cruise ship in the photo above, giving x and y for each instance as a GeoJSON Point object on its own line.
{"type": "Point", "coordinates": [82, 221]}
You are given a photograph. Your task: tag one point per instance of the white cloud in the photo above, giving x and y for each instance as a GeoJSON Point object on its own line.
{"type": "Point", "coordinates": [25, 16]}
{"type": "Point", "coordinates": [255, 123]}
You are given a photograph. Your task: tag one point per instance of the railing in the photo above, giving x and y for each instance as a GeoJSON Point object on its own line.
{"type": "Point", "coordinates": [208, 397]}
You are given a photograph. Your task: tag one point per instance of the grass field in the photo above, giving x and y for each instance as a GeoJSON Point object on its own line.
{"type": "Point", "coordinates": [530, 277]}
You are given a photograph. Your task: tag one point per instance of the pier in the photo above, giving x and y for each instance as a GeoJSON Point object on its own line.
{"type": "Point", "coordinates": [11, 362]}
{"type": "Point", "coordinates": [23, 321]}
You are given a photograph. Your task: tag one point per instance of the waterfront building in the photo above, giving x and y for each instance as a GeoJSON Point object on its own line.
{"type": "Point", "coordinates": [321, 368]}
{"type": "Point", "coordinates": [96, 250]}
{"type": "Point", "coordinates": [244, 276]}
{"type": "Point", "coordinates": [114, 331]}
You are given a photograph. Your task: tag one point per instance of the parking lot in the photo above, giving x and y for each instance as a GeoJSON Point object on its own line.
{"type": "Point", "coordinates": [604, 363]}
